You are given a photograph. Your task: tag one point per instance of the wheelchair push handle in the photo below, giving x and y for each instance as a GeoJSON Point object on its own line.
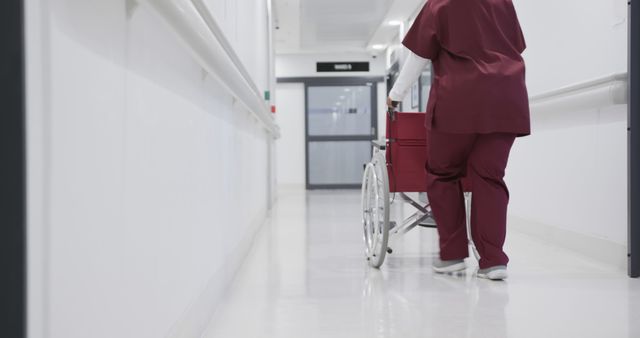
{"type": "Point", "coordinates": [392, 110]}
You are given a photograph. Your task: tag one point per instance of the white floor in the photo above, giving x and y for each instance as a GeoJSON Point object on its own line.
{"type": "Point", "coordinates": [306, 277]}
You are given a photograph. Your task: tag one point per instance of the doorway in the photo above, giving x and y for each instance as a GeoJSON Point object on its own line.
{"type": "Point", "coordinates": [340, 121]}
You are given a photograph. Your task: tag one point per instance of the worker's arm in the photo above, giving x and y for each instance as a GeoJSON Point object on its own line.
{"type": "Point", "coordinates": [409, 74]}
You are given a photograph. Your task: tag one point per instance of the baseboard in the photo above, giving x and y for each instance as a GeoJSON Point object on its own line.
{"type": "Point", "coordinates": [599, 249]}
{"type": "Point", "coordinates": [196, 318]}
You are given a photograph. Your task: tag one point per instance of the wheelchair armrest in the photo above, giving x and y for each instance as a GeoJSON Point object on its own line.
{"type": "Point", "coordinates": [382, 145]}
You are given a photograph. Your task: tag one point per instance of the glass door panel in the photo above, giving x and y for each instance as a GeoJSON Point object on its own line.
{"type": "Point", "coordinates": [341, 123]}
{"type": "Point", "coordinates": [339, 111]}
{"type": "Point", "coordinates": [337, 162]}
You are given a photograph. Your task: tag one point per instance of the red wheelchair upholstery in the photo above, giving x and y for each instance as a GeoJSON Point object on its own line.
{"type": "Point", "coordinates": [407, 153]}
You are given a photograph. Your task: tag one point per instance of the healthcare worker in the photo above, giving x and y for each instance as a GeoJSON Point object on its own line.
{"type": "Point", "coordinates": [478, 105]}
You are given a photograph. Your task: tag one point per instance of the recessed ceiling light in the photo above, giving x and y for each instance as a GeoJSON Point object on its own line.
{"type": "Point", "coordinates": [379, 47]}
{"type": "Point", "coordinates": [395, 23]}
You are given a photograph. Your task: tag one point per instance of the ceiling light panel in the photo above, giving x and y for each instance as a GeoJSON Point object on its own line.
{"type": "Point", "coordinates": [332, 23]}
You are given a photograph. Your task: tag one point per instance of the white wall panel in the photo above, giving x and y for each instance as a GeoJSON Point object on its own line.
{"type": "Point", "coordinates": [157, 178]}
{"type": "Point", "coordinates": [291, 163]}
{"type": "Point", "coordinates": [572, 41]}
{"type": "Point", "coordinates": [571, 173]}
{"type": "Point", "coordinates": [246, 26]}
{"type": "Point", "coordinates": [574, 176]}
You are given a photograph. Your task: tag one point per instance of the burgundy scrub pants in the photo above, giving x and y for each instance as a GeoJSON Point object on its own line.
{"type": "Point", "coordinates": [483, 159]}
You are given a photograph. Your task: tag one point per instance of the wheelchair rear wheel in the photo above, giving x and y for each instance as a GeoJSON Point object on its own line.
{"type": "Point", "coordinates": [375, 210]}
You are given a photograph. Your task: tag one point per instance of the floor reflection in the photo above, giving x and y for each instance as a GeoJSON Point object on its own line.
{"type": "Point", "coordinates": [388, 311]}
{"type": "Point", "coordinates": [306, 276]}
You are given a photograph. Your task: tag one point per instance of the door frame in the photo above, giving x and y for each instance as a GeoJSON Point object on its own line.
{"type": "Point", "coordinates": [634, 142]}
{"type": "Point", "coordinates": [331, 82]}
{"type": "Point", "coordinates": [12, 171]}
{"type": "Point", "coordinates": [334, 82]}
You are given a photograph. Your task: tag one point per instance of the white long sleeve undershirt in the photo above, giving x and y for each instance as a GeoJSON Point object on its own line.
{"type": "Point", "coordinates": [409, 74]}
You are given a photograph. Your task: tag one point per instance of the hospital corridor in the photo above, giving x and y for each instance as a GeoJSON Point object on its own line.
{"type": "Point", "coordinates": [320, 168]}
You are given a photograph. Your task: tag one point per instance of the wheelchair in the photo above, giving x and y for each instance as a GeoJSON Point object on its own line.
{"type": "Point", "coordinates": [397, 169]}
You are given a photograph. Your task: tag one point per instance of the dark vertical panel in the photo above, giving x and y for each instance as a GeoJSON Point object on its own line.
{"type": "Point", "coordinates": [374, 111]}
{"type": "Point", "coordinates": [306, 135]}
{"type": "Point", "coordinates": [12, 171]}
{"type": "Point", "coordinates": [634, 140]}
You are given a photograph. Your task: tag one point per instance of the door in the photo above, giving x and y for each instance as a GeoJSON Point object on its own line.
{"type": "Point", "coordinates": [341, 122]}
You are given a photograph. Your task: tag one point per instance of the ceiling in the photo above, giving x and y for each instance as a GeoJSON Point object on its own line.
{"type": "Point", "coordinates": [321, 26]}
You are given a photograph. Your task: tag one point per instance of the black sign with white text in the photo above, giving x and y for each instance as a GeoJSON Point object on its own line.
{"type": "Point", "coordinates": [323, 67]}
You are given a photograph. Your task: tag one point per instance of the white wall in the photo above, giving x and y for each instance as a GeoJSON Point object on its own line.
{"type": "Point", "coordinates": [571, 41]}
{"type": "Point", "coordinates": [290, 101]}
{"type": "Point", "coordinates": [245, 24]}
{"type": "Point", "coordinates": [147, 179]}
{"type": "Point", "coordinates": [571, 173]}
{"type": "Point", "coordinates": [290, 165]}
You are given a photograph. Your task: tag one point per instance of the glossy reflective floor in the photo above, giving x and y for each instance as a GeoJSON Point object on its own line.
{"type": "Point", "coordinates": [306, 277]}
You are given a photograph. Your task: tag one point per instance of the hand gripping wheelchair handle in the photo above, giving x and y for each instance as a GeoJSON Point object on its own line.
{"type": "Point", "coordinates": [392, 110]}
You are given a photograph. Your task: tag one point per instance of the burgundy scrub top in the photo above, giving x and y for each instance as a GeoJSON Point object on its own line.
{"type": "Point", "coordinates": [479, 73]}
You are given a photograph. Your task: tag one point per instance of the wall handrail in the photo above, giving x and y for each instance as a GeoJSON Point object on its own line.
{"type": "Point", "coordinates": [597, 93]}
{"type": "Point", "coordinates": [192, 21]}
{"type": "Point", "coordinates": [605, 81]}
{"type": "Point", "coordinates": [226, 45]}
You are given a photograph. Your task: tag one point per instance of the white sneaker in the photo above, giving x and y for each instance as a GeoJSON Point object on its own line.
{"type": "Point", "coordinates": [441, 266]}
{"type": "Point", "coordinates": [498, 272]}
